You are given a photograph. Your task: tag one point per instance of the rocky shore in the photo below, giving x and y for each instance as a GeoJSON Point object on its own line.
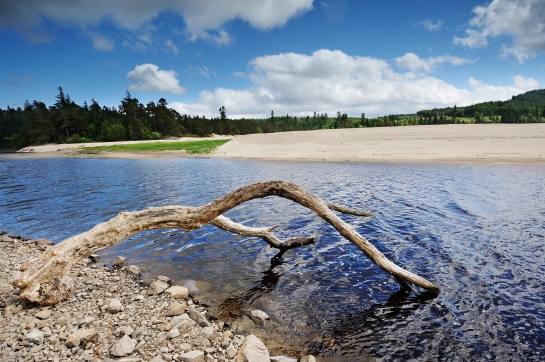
{"type": "Point", "coordinates": [113, 315]}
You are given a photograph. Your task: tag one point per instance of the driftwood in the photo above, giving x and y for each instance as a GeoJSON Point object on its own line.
{"type": "Point", "coordinates": [46, 280]}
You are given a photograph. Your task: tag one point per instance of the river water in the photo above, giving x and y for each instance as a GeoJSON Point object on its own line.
{"type": "Point", "coordinates": [477, 231]}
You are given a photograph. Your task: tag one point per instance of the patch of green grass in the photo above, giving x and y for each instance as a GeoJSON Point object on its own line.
{"type": "Point", "coordinates": [190, 147]}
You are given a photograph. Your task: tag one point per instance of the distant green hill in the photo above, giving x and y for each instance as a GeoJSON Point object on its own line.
{"type": "Point", "coordinates": [528, 107]}
{"type": "Point", "coordinates": [536, 96]}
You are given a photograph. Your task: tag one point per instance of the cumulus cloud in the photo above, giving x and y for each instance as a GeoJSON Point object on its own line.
{"type": "Point", "coordinates": [328, 81]}
{"type": "Point", "coordinates": [522, 22]}
{"type": "Point", "coordinates": [203, 18]}
{"type": "Point", "coordinates": [414, 63]}
{"type": "Point", "coordinates": [149, 78]}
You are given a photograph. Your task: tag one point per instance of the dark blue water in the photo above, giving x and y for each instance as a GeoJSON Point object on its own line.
{"type": "Point", "coordinates": [476, 231]}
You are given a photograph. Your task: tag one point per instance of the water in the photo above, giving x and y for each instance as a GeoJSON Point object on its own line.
{"type": "Point", "coordinates": [476, 231]}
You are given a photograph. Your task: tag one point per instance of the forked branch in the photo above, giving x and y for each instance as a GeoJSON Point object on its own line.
{"type": "Point", "coordinates": [46, 279]}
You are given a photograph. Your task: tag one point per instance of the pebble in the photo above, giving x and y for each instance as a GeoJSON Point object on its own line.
{"type": "Point", "coordinates": [110, 316]}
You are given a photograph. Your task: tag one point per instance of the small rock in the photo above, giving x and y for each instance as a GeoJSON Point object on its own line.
{"type": "Point", "coordinates": [173, 333]}
{"type": "Point", "coordinates": [35, 336]}
{"type": "Point", "coordinates": [123, 347]}
{"type": "Point", "coordinates": [72, 341]}
{"type": "Point", "coordinates": [164, 279]}
{"type": "Point", "coordinates": [157, 359]}
{"type": "Point", "coordinates": [94, 257]}
{"type": "Point", "coordinates": [259, 317]}
{"type": "Point", "coordinates": [44, 242]}
{"type": "Point", "coordinates": [198, 317]}
{"type": "Point", "coordinates": [86, 320]}
{"type": "Point", "coordinates": [133, 269]}
{"type": "Point", "coordinates": [157, 287]}
{"type": "Point", "coordinates": [127, 330]}
{"type": "Point", "coordinates": [114, 306]}
{"type": "Point", "coordinates": [282, 359]}
{"type": "Point", "coordinates": [176, 309]}
{"type": "Point", "coordinates": [231, 351]}
{"type": "Point", "coordinates": [209, 333]}
{"type": "Point", "coordinates": [192, 356]}
{"type": "Point", "coordinates": [252, 350]}
{"type": "Point", "coordinates": [44, 314]}
{"type": "Point", "coordinates": [178, 292]}
{"type": "Point", "coordinates": [308, 358]}
{"type": "Point", "coordinates": [118, 262]}
{"type": "Point", "coordinates": [226, 338]}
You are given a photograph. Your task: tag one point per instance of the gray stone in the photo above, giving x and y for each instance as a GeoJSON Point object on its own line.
{"type": "Point", "coordinates": [86, 320]}
{"type": "Point", "coordinates": [176, 309]}
{"type": "Point", "coordinates": [127, 330]}
{"type": "Point", "coordinates": [209, 333]}
{"type": "Point", "coordinates": [173, 333]}
{"type": "Point", "coordinates": [259, 317]}
{"type": "Point", "coordinates": [44, 242]}
{"type": "Point", "coordinates": [178, 292]}
{"type": "Point", "coordinates": [198, 317]}
{"type": "Point", "coordinates": [35, 336]}
{"type": "Point", "coordinates": [157, 359]}
{"type": "Point", "coordinates": [133, 269]}
{"type": "Point", "coordinates": [165, 279]}
{"type": "Point", "coordinates": [44, 314]}
{"type": "Point", "coordinates": [123, 347]}
{"type": "Point", "coordinates": [114, 306]}
{"type": "Point", "coordinates": [183, 322]}
{"type": "Point", "coordinates": [72, 341]}
{"type": "Point", "coordinates": [118, 262]}
{"type": "Point", "coordinates": [81, 335]}
{"type": "Point", "coordinates": [226, 338]}
{"type": "Point", "coordinates": [192, 356]}
{"type": "Point", "coordinates": [252, 350]}
{"type": "Point", "coordinates": [231, 351]}
{"type": "Point", "coordinates": [282, 359]}
{"type": "Point", "coordinates": [157, 287]}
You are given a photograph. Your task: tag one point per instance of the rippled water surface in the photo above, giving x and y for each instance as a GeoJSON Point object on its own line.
{"type": "Point", "coordinates": [477, 231]}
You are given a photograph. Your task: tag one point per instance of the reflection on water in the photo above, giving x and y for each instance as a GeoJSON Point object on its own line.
{"type": "Point", "coordinates": [477, 231]}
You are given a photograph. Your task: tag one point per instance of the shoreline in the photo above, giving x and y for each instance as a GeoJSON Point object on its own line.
{"type": "Point", "coordinates": [459, 143]}
{"type": "Point", "coordinates": [113, 314]}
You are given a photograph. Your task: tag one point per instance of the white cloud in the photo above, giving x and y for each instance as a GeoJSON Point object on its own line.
{"type": "Point", "coordinates": [203, 71]}
{"type": "Point", "coordinates": [328, 81]}
{"type": "Point", "coordinates": [522, 22]}
{"type": "Point", "coordinates": [101, 42]}
{"type": "Point", "coordinates": [414, 63]}
{"type": "Point", "coordinates": [430, 25]}
{"type": "Point", "coordinates": [149, 78]}
{"type": "Point", "coordinates": [203, 18]}
{"type": "Point", "coordinates": [171, 47]}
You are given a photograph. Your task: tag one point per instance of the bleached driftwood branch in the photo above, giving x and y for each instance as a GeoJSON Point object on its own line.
{"type": "Point", "coordinates": [46, 279]}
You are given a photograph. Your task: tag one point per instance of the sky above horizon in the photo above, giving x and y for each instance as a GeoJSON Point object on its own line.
{"type": "Point", "coordinates": [292, 57]}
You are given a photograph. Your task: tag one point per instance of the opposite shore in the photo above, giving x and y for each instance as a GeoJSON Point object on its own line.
{"type": "Point", "coordinates": [466, 143]}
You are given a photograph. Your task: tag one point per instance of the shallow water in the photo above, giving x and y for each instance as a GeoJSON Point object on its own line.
{"type": "Point", "coordinates": [477, 231]}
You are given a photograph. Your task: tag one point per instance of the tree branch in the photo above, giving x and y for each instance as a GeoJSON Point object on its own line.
{"type": "Point", "coordinates": [46, 279]}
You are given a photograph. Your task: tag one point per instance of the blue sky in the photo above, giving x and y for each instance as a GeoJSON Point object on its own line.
{"type": "Point", "coordinates": [294, 57]}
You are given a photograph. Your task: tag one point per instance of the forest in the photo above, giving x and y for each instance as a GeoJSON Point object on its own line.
{"type": "Point", "coordinates": [67, 122]}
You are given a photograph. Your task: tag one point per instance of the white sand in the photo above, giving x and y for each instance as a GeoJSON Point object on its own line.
{"type": "Point", "coordinates": [444, 143]}
{"type": "Point", "coordinates": [439, 143]}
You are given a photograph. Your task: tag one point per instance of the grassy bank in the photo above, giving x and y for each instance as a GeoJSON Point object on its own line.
{"type": "Point", "coordinates": [190, 147]}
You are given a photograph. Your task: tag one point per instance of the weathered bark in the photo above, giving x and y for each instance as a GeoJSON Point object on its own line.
{"type": "Point", "coordinates": [46, 279]}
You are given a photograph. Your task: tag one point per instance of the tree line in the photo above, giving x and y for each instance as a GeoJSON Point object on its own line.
{"type": "Point", "coordinates": [67, 122]}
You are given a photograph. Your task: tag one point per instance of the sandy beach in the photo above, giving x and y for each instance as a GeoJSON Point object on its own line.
{"type": "Point", "coordinates": [439, 143]}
